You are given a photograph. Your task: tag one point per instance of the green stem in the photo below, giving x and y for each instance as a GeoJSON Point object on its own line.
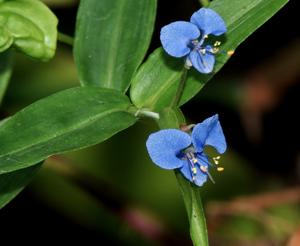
{"type": "Point", "coordinates": [64, 38]}
{"type": "Point", "coordinates": [147, 113]}
{"type": "Point", "coordinates": [180, 88]}
{"type": "Point", "coordinates": [204, 3]}
{"type": "Point", "coordinates": [173, 118]}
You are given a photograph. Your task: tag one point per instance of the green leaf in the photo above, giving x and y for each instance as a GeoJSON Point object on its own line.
{"type": "Point", "coordinates": [68, 120]}
{"type": "Point", "coordinates": [28, 26]}
{"type": "Point", "coordinates": [111, 40]}
{"type": "Point", "coordinates": [173, 118]}
{"type": "Point", "coordinates": [5, 72]}
{"type": "Point", "coordinates": [11, 184]}
{"type": "Point", "coordinates": [156, 82]}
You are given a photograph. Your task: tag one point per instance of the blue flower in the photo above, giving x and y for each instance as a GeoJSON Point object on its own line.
{"type": "Point", "coordinates": [187, 39]}
{"type": "Point", "coordinates": [176, 149]}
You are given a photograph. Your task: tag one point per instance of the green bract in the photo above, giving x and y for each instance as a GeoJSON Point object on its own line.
{"type": "Point", "coordinates": [28, 26]}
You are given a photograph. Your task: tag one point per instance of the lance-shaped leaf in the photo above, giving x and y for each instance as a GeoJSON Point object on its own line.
{"type": "Point", "coordinates": [157, 80]}
{"type": "Point", "coordinates": [5, 72]}
{"type": "Point", "coordinates": [68, 120]}
{"type": "Point", "coordinates": [112, 37]}
{"type": "Point", "coordinates": [28, 26]}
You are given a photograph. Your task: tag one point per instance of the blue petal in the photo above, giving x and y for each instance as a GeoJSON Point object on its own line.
{"type": "Point", "coordinates": [209, 22]}
{"type": "Point", "coordinates": [204, 63]}
{"type": "Point", "coordinates": [164, 146]}
{"type": "Point", "coordinates": [200, 177]}
{"type": "Point", "coordinates": [203, 159]}
{"type": "Point", "coordinates": [176, 37]}
{"type": "Point", "coordinates": [209, 132]}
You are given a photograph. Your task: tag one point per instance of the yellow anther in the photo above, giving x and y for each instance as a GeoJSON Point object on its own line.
{"type": "Point", "coordinates": [215, 50]}
{"type": "Point", "coordinates": [206, 36]}
{"type": "Point", "coordinates": [220, 169]}
{"type": "Point", "coordinates": [230, 52]}
{"type": "Point", "coordinates": [194, 160]}
{"type": "Point", "coordinates": [194, 170]}
{"type": "Point", "coordinates": [203, 169]}
{"type": "Point", "coordinates": [217, 43]}
{"type": "Point", "coordinates": [216, 159]}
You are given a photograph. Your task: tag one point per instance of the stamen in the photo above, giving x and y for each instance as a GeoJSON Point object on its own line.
{"type": "Point", "coordinates": [210, 177]}
{"type": "Point", "coordinates": [205, 36]}
{"type": "Point", "coordinates": [194, 170]}
{"type": "Point", "coordinates": [203, 169]}
{"type": "Point", "coordinates": [216, 159]}
{"type": "Point", "coordinates": [215, 50]}
{"type": "Point", "coordinates": [192, 160]}
{"type": "Point", "coordinates": [217, 43]}
{"type": "Point", "coordinates": [220, 169]}
{"type": "Point", "coordinates": [195, 42]}
{"type": "Point", "coordinates": [190, 154]}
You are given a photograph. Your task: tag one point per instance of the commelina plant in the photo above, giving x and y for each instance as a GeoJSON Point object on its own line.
{"type": "Point", "coordinates": [117, 87]}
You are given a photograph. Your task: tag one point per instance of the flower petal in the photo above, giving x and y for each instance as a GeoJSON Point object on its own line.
{"type": "Point", "coordinates": [209, 132]}
{"type": "Point", "coordinates": [164, 146]}
{"type": "Point", "coordinates": [176, 37]}
{"type": "Point", "coordinates": [200, 177]}
{"type": "Point", "coordinates": [203, 160]}
{"type": "Point", "coordinates": [209, 22]}
{"type": "Point", "coordinates": [204, 63]}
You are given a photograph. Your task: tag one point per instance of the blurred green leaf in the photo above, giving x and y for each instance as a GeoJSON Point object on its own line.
{"type": "Point", "coordinates": [5, 72]}
{"type": "Point", "coordinates": [241, 227]}
{"type": "Point", "coordinates": [83, 207]}
{"type": "Point", "coordinates": [111, 40]}
{"type": "Point", "coordinates": [156, 81]}
{"type": "Point", "coordinates": [33, 80]}
{"type": "Point", "coordinates": [12, 183]}
{"type": "Point", "coordinates": [28, 26]}
{"type": "Point", "coordinates": [68, 120]}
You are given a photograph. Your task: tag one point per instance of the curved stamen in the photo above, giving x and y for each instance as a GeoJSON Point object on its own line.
{"type": "Point", "coordinates": [192, 160]}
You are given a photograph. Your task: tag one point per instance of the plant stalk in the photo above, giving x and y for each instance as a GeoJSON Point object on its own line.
{"type": "Point", "coordinates": [64, 38]}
